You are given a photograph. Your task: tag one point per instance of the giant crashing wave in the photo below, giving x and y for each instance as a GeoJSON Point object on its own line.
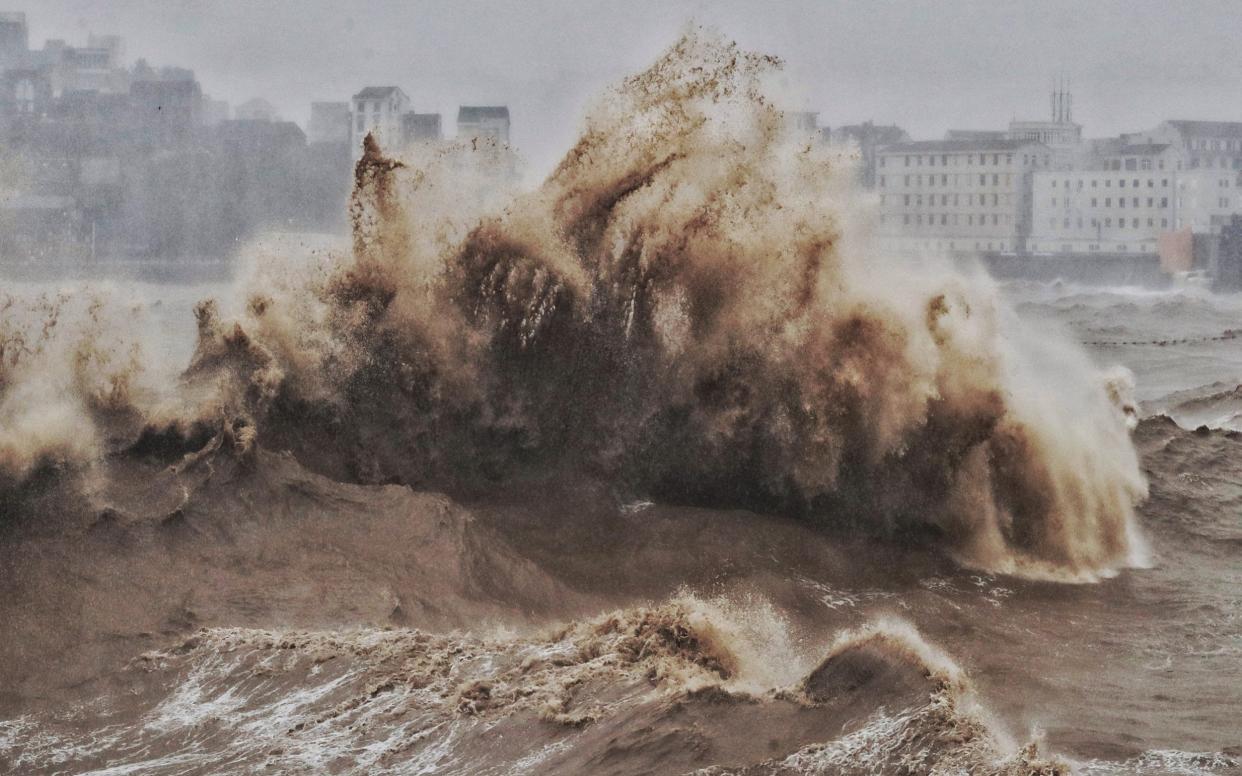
{"type": "Point", "coordinates": [688, 307]}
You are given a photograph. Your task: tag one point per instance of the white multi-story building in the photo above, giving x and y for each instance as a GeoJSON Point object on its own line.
{"type": "Point", "coordinates": [1204, 144]}
{"type": "Point", "coordinates": [1120, 206]}
{"type": "Point", "coordinates": [958, 196]}
{"type": "Point", "coordinates": [1135, 194]}
{"type": "Point", "coordinates": [378, 110]}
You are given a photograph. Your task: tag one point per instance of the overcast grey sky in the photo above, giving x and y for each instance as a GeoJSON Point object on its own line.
{"type": "Point", "coordinates": [924, 65]}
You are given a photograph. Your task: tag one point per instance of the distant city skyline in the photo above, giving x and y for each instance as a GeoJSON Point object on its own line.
{"type": "Point", "coordinates": [973, 65]}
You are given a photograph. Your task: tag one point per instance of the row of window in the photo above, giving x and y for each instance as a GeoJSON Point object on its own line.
{"type": "Point", "coordinates": [1108, 183]}
{"type": "Point", "coordinates": [1107, 223]}
{"type": "Point", "coordinates": [1216, 145]}
{"type": "Point", "coordinates": [918, 180]}
{"type": "Point", "coordinates": [1222, 162]}
{"type": "Point", "coordinates": [953, 246]}
{"type": "Point", "coordinates": [1121, 202]}
{"type": "Point", "coordinates": [1092, 247]}
{"type": "Point", "coordinates": [954, 219]}
{"type": "Point", "coordinates": [918, 160]}
{"type": "Point", "coordinates": [951, 199]}
{"type": "Point", "coordinates": [1134, 163]}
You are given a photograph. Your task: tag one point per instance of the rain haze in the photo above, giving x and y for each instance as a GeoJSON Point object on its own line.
{"type": "Point", "coordinates": [925, 66]}
{"type": "Point", "coordinates": [573, 388]}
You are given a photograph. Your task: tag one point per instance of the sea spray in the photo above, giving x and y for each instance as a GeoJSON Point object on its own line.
{"type": "Point", "coordinates": [688, 307]}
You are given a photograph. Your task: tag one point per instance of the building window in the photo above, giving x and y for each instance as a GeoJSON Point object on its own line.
{"type": "Point", "coordinates": [1164, 202]}
{"type": "Point", "coordinates": [1121, 183]}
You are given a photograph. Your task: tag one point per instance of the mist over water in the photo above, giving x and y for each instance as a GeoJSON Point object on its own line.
{"type": "Point", "coordinates": [710, 464]}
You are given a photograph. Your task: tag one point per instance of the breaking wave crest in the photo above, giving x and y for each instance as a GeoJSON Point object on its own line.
{"type": "Point", "coordinates": [657, 689]}
{"type": "Point", "coordinates": [688, 307]}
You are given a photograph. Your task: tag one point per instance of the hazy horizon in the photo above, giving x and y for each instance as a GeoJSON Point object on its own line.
{"type": "Point", "coordinates": [976, 65]}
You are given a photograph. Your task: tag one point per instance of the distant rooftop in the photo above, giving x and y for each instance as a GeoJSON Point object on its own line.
{"type": "Point", "coordinates": [975, 134]}
{"type": "Point", "coordinates": [1211, 128]}
{"type": "Point", "coordinates": [468, 114]}
{"type": "Point", "coordinates": [959, 146]}
{"type": "Point", "coordinates": [377, 92]}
